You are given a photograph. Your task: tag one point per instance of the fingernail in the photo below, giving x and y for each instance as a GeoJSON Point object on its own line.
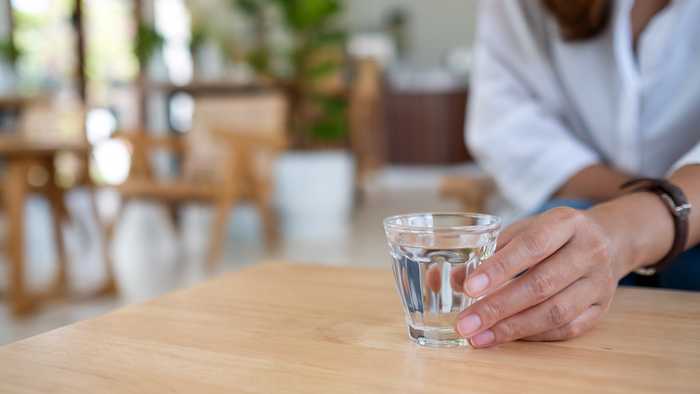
{"type": "Point", "coordinates": [477, 284]}
{"type": "Point", "coordinates": [468, 325]}
{"type": "Point", "coordinates": [483, 339]}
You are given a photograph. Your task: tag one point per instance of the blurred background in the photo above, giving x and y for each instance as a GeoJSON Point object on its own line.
{"type": "Point", "coordinates": [146, 145]}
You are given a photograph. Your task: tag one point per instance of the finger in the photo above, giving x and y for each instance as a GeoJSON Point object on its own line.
{"type": "Point", "coordinates": [511, 231]}
{"type": "Point", "coordinates": [514, 229]}
{"type": "Point", "coordinates": [553, 313]}
{"type": "Point", "coordinates": [539, 284]}
{"type": "Point", "coordinates": [582, 324]}
{"type": "Point", "coordinates": [457, 278]}
{"type": "Point", "coordinates": [434, 277]}
{"type": "Point", "coordinates": [542, 238]}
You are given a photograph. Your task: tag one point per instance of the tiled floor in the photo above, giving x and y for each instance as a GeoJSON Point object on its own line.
{"type": "Point", "coordinates": [150, 258]}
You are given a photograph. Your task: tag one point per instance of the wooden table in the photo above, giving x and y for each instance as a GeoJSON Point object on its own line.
{"type": "Point", "coordinates": [16, 101]}
{"type": "Point", "coordinates": [22, 155]}
{"type": "Point", "coordinates": [11, 105]}
{"type": "Point", "coordinates": [302, 329]}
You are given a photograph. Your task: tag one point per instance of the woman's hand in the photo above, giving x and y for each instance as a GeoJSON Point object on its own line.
{"type": "Point", "coordinates": [570, 280]}
{"type": "Point", "coordinates": [573, 260]}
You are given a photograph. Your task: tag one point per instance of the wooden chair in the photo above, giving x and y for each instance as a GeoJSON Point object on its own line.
{"type": "Point", "coordinates": [471, 192]}
{"type": "Point", "coordinates": [227, 158]}
{"type": "Point", "coordinates": [365, 116]}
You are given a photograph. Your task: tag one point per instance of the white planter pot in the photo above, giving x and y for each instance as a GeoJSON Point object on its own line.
{"type": "Point", "coordinates": [314, 193]}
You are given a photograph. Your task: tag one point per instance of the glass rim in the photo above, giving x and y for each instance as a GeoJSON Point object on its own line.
{"type": "Point", "coordinates": [493, 225]}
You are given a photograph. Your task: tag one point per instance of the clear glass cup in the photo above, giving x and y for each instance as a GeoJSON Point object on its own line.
{"type": "Point", "coordinates": [432, 254]}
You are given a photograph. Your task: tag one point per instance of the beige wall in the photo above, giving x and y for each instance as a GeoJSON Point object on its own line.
{"type": "Point", "coordinates": [435, 25]}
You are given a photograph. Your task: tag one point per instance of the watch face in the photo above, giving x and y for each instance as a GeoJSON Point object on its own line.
{"type": "Point", "coordinates": [683, 211]}
{"type": "Point", "coordinates": [647, 271]}
{"type": "Point", "coordinates": [671, 204]}
{"type": "Point", "coordinates": [678, 206]}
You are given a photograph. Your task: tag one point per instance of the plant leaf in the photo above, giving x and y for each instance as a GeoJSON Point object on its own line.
{"type": "Point", "coordinates": [330, 38]}
{"type": "Point", "coordinates": [333, 123]}
{"type": "Point", "coordinates": [304, 15]}
{"type": "Point", "coordinates": [148, 41]}
{"type": "Point", "coordinates": [322, 70]}
{"type": "Point", "coordinates": [328, 129]}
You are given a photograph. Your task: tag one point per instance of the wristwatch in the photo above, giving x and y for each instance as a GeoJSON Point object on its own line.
{"type": "Point", "coordinates": [679, 208]}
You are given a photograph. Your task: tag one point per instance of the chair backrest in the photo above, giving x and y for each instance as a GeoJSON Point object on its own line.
{"type": "Point", "coordinates": [366, 125]}
{"type": "Point", "coordinates": [259, 117]}
{"type": "Point", "coordinates": [254, 114]}
{"type": "Point", "coordinates": [43, 119]}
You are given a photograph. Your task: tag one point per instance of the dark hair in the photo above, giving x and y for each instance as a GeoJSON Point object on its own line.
{"type": "Point", "coordinates": [579, 19]}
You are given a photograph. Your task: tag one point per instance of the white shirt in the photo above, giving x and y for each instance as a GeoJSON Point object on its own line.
{"type": "Point", "coordinates": [543, 109]}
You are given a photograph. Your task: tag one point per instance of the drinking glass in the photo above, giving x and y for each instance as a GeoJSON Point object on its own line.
{"type": "Point", "coordinates": [432, 255]}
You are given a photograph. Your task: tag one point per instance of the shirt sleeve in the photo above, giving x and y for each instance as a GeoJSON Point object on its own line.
{"type": "Point", "coordinates": [692, 157]}
{"type": "Point", "coordinates": [516, 127]}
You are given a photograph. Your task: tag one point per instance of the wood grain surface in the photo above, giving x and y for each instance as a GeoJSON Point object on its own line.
{"type": "Point", "coordinates": [289, 328]}
{"type": "Point", "coordinates": [13, 145]}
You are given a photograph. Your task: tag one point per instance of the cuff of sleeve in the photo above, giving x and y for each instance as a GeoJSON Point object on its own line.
{"type": "Point", "coordinates": [537, 183]}
{"type": "Point", "coordinates": [692, 157]}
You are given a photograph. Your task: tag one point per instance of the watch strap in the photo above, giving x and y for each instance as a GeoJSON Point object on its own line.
{"type": "Point", "coordinates": [679, 208]}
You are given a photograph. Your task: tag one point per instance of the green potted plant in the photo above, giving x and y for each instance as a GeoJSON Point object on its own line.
{"type": "Point", "coordinates": [314, 64]}
{"type": "Point", "coordinates": [315, 180]}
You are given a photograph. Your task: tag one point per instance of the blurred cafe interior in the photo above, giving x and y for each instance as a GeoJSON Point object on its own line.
{"type": "Point", "coordinates": [146, 145]}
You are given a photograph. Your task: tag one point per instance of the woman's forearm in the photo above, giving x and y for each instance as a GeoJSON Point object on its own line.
{"type": "Point", "coordinates": [640, 226]}
{"type": "Point", "coordinates": [595, 183]}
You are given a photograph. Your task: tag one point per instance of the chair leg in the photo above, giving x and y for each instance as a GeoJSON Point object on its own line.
{"type": "Point", "coordinates": [110, 283]}
{"type": "Point", "coordinates": [109, 228]}
{"type": "Point", "coordinates": [218, 230]}
{"type": "Point", "coordinates": [59, 214]}
{"type": "Point", "coordinates": [15, 196]}
{"type": "Point", "coordinates": [269, 221]}
{"type": "Point", "coordinates": [173, 215]}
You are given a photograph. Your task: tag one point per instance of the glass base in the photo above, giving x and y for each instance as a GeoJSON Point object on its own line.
{"type": "Point", "coordinates": [436, 337]}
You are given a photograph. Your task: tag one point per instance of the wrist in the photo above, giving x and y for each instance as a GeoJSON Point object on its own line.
{"type": "Point", "coordinates": [639, 228]}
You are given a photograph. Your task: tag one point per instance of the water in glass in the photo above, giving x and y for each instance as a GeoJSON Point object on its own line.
{"type": "Point", "coordinates": [430, 273]}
